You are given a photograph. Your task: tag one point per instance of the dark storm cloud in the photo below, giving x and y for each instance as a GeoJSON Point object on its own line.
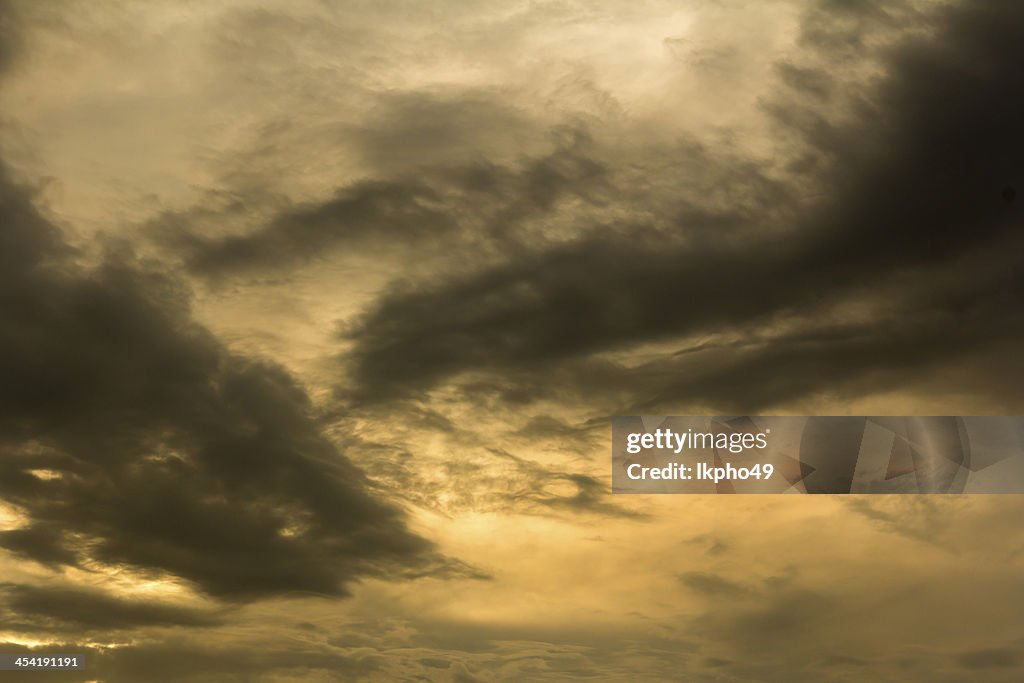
{"type": "Point", "coordinates": [943, 326]}
{"type": "Point", "coordinates": [912, 186]}
{"type": "Point", "coordinates": [74, 610]}
{"type": "Point", "coordinates": [131, 436]}
{"type": "Point", "coordinates": [474, 200]}
{"type": "Point", "coordinates": [940, 325]}
{"type": "Point", "coordinates": [403, 209]}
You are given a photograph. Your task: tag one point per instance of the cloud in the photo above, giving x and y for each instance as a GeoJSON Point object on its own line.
{"type": "Point", "coordinates": [165, 452]}
{"type": "Point", "coordinates": [76, 611]}
{"type": "Point", "coordinates": [10, 35]}
{"type": "Point", "coordinates": [491, 479]}
{"type": "Point", "coordinates": [713, 584]}
{"type": "Point", "coordinates": [814, 82]}
{"type": "Point", "coordinates": [470, 201]}
{"type": "Point", "coordinates": [845, 29]}
{"type": "Point", "coordinates": [182, 660]}
{"type": "Point", "coordinates": [991, 658]}
{"type": "Point", "coordinates": [911, 194]}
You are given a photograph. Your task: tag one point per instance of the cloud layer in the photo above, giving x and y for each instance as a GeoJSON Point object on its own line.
{"type": "Point", "coordinates": [312, 316]}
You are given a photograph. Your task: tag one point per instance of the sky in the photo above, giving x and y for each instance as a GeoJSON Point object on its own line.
{"type": "Point", "coordinates": [314, 315]}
